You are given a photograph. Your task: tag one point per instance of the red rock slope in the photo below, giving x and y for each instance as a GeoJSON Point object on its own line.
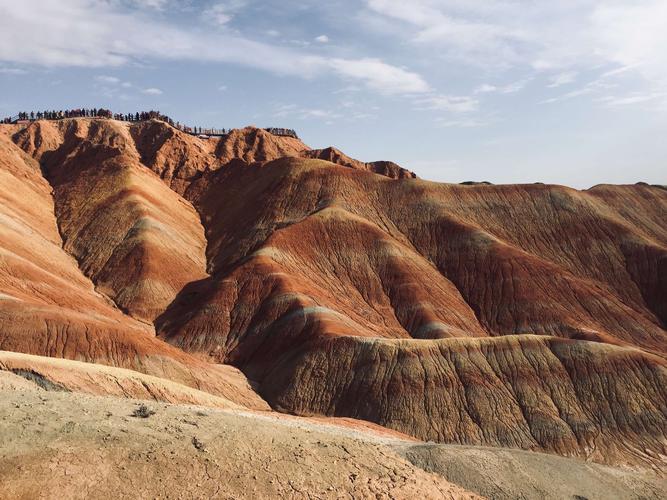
{"type": "Point", "coordinates": [527, 316]}
{"type": "Point", "coordinates": [50, 308]}
{"type": "Point", "coordinates": [387, 168]}
{"type": "Point", "coordinates": [357, 295]}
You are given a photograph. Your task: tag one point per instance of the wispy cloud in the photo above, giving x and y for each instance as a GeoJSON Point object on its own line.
{"type": "Point", "coordinates": [509, 88]}
{"type": "Point", "coordinates": [562, 79]}
{"type": "Point", "coordinates": [633, 35]}
{"type": "Point", "coordinates": [304, 113]}
{"type": "Point", "coordinates": [461, 123]}
{"type": "Point", "coordinates": [485, 88]}
{"type": "Point", "coordinates": [453, 104]}
{"type": "Point", "coordinates": [110, 86]}
{"type": "Point", "coordinates": [222, 13]}
{"type": "Point", "coordinates": [347, 111]}
{"type": "Point", "coordinates": [457, 31]}
{"type": "Point", "coordinates": [561, 38]}
{"type": "Point", "coordinates": [107, 79]}
{"type": "Point", "coordinates": [87, 35]}
{"type": "Point", "coordinates": [379, 75]}
{"type": "Point", "coordinates": [151, 4]}
{"type": "Point", "coordinates": [596, 86]}
{"type": "Point", "coordinates": [12, 71]}
{"type": "Point", "coordinates": [633, 98]}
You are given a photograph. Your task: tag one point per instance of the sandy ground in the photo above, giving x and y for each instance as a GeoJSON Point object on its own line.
{"type": "Point", "coordinates": [102, 380]}
{"type": "Point", "coordinates": [60, 444]}
{"type": "Point", "coordinates": [498, 473]}
{"type": "Point", "coordinates": [64, 445]}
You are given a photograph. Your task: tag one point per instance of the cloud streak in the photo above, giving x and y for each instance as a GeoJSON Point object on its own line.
{"type": "Point", "coordinates": [222, 13]}
{"type": "Point", "coordinates": [509, 88]}
{"type": "Point", "coordinates": [560, 38]}
{"type": "Point", "coordinates": [452, 104]}
{"type": "Point", "coordinates": [85, 33]}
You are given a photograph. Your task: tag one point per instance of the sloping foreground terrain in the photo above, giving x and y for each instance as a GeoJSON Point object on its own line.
{"type": "Point", "coordinates": [522, 316]}
{"type": "Point", "coordinates": [62, 444]}
{"type": "Point", "coordinates": [68, 445]}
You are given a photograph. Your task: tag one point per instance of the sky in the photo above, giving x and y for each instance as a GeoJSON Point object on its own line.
{"type": "Point", "coordinates": [570, 92]}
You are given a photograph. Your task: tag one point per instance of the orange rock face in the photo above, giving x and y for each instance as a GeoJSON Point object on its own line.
{"type": "Point", "coordinates": [49, 307]}
{"type": "Point", "coordinates": [387, 168]}
{"type": "Point", "coordinates": [527, 316]}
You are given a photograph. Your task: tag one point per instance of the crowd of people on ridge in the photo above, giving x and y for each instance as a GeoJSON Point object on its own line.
{"type": "Point", "coordinates": [58, 115]}
{"type": "Point", "coordinates": [24, 116]}
{"type": "Point", "coordinates": [285, 132]}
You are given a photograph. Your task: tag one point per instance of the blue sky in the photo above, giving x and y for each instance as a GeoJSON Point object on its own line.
{"type": "Point", "coordinates": [571, 92]}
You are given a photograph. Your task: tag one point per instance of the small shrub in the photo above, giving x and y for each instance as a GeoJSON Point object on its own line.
{"type": "Point", "coordinates": [143, 411]}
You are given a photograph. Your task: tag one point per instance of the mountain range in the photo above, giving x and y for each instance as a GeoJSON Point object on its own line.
{"type": "Point", "coordinates": [269, 276]}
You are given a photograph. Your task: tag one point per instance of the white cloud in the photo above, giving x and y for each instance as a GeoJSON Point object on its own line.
{"type": "Point", "coordinates": [318, 113]}
{"type": "Point", "coordinates": [593, 87]}
{"type": "Point", "coordinates": [218, 16]}
{"type": "Point", "coordinates": [222, 88]}
{"type": "Point", "coordinates": [347, 89]}
{"type": "Point", "coordinates": [152, 91]}
{"type": "Point", "coordinates": [326, 116]}
{"type": "Point", "coordinates": [110, 84]}
{"type": "Point", "coordinates": [380, 76]}
{"type": "Point", "coordinates": [300, 43]}
{"type": "Point", "coordinates": [618, 71]}
{"type": "Point", "coordinates": [485, 89]}
{"type": "Point", "coordinates": [515, 86]}
{"type": "Point", "coordinates": [107, 79]}
{"type": "Point", "coordinates": [84, 33]}
{"type": "Point", "coordinates": [634, 98]}
{"type": "Point", "coordinates": [453, 104]}
{"type": "Point", "coordinates": [322, 39]}
{"type": "Point", "coordinates": [141, 4]}
{"type": "Point", "coordinates": [562, 79]}
{"type": "Point", "coordinates": [151, 4]}
{"type": "Point", "coordinates": [222, 12]}
{"type": "Point", "coordinates": [12, 71]}
{"type": "Point", "coordinates": [456, 30]}
{"type": "Point", "coordinates": [509, 88]}
{"type": "Point", "coordinates": [464, 123]}
{"type": "Point", "coordinates": [561, 37]}
{"type": "Point", "coordinates": [633, 34]}
{"type": "Point", "coordinates": [304, 113]}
